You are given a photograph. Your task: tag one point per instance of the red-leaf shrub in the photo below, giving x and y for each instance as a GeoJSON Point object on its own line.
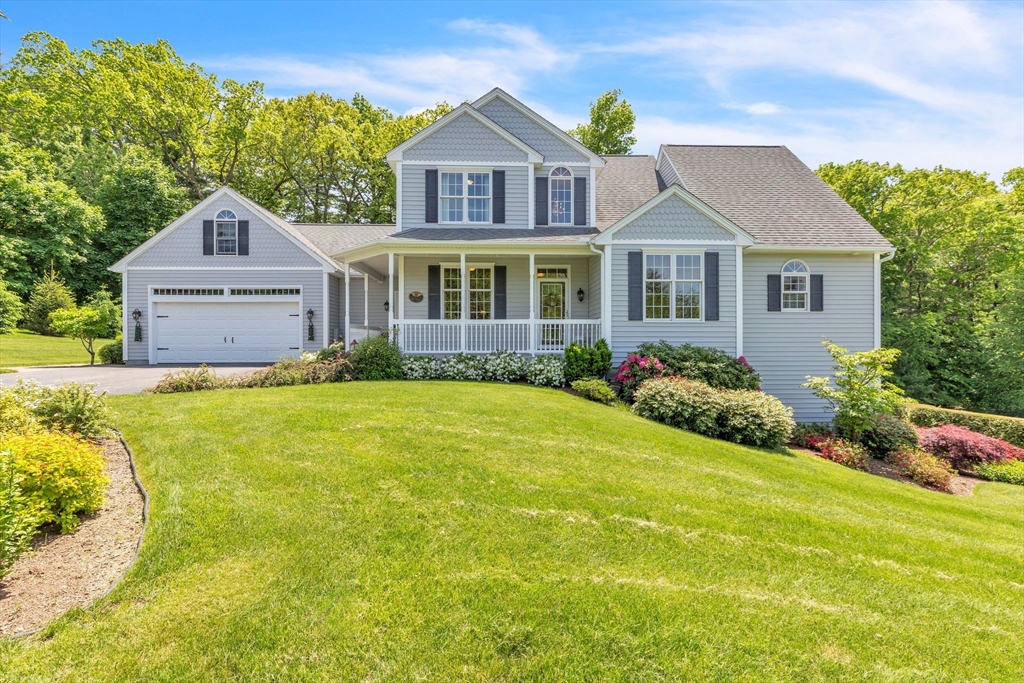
{"type": "Point", "coordinates": [922, 467]}
{"type": "Point", "coordinates": [634, 371]}
{"type": "Point", "coordinates": [965, 449]}
{"type": "Point", "coordinates": [840, 451]}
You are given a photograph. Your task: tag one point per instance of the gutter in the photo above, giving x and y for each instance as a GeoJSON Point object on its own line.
{"type": "Point", "coordinates": [887, 257]}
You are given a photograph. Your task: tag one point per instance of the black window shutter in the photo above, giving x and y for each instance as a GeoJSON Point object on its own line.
{"type": "Point", "coordinates": [817, 292]}
{"type": "Point", "coordinates": [434, 292]}
{"type": "Point", "coordinates": [243, 238]}
{"type": "Point", "coordinates": [498, 178]}
{"type": "Point", "coordinates": [541, 200]}
{"type": "Point", "coordinates": [207, 238]}
{"type": "Point", "coordinates": [500, 300]}
{"type": "Point", "coordinates": [711, 285]}
{"type": "Point", "coordinates": [579, 201]}
{"type": "Point", "coordinates": [774, 292]}
{"type": "Point", "coordinates": [636, 285]}
{"type": "Point", "coordinates": [430, 195]}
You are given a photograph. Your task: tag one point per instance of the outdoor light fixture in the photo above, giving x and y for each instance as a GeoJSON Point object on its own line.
{"type": "Point", "coordinates": [580, 294]}
{"type": "Point", "coordinates": [309, 314]}
{"type": "Point", "coordinates": [136, 314]}
{"type": "Point", "coordinates": [387, 306]}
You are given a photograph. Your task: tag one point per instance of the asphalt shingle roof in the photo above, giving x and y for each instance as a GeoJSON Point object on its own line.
{"type": "Point", "coordinates": [334, 237]}
{"type": "Point", "coordinates": [496, 234]}
{"type": "Point", "coordinates": [626, 182]}
{"type": "Point", "coordinates": [771, 194]}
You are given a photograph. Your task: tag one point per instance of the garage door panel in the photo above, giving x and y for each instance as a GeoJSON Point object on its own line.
{"type": "Point", "coordinates": [226, 332]}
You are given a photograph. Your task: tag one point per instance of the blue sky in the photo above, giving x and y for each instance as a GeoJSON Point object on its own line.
{"type": "Point", "coordinates": [922, 83]}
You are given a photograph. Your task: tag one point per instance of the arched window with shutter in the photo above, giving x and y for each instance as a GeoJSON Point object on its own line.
{"type": "Point", "coordinates": [560, 194]}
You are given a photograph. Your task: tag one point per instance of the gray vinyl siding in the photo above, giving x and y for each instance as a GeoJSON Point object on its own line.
{"type": "Point", "coordinates": [593, 294]}
{"type": "Point", "coordinates": [517, 198]}
{"type": "Point", "coordinates": [786, 347]}
{"type": "Point", "coordinates": [464, 139]}
{"type": "Point", "coordinates": [378, 292]}
{"type": "Point", "coordinates": [518, 284]}
{"type": "Point", "coordinates": [531, 133]}
{"type": "Point", "coordinates": [577, 172]}
{"type": "Point", "coordinates": [673, 219]}
{"type": "Point", "coordinates": [336, 323]}
{"type": "Point", "coordinates": [668, 172]}
{"type": "Point", "coordinates": [628, 334]}
{"type": "Point", "coordinates": [267, 245]}
{"type": "Point", "coordinates": [140, 282]}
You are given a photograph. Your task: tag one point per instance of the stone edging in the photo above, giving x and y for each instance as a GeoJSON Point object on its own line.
{"type": "Point", "coordinates": [138, 544]}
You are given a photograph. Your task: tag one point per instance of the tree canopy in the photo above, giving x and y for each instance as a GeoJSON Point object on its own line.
{"type": "Point", "coordinates": [610, 129]}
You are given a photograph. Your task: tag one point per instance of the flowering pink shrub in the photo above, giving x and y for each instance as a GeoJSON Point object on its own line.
{"type": "Point", "coordinates": [634, 371]}
{"type": "Point", "coordinates": [965, 449]}
{"type": "Point", "coordinates": [840, 451]}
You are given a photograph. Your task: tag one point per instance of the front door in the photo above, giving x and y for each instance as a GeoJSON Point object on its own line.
{"type": "Point", "coordinates": [552, 307]}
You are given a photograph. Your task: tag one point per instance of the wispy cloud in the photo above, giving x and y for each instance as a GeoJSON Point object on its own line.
{"type": "Point", "coordinates": [755, 109]}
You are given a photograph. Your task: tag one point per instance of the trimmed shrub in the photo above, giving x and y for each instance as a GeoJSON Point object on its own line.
{"type": "Point", "coordinates": [965, 449]}
{"type": "Point", "coordinates": [504, 366]}
{"type": "Point", "coordinates": [804, 432]}
{"type": "Point", "coordinates": [17, 524]}
{"type": "Point", "coordinates": [377, 358]}
{"type": "Point", "coordinates": [595, 390]}
{"type": "Point", "coordinates": [547, 370]}
{"type": "Point", "coordinates": [922, 468]}
{"type": "Point", "coordinates": [887, 434]}
{"type": "Point", "coordinates": [110, 354]}
{"type": "Point", "coordinates": [50, 294]}
{"type": "Point", "coordinates": [202, 378]}
{"type": "Point", "coordinates": [1006, 472]}
{"type": "Point", "coordinates": [747, 417]}
{"type": "Point", "coordinates": [840, 451]}
{"type": "Point", "coordinates": [421, 367]}
{"type": "Point", "coordinates": [636, 370]}
{"type": "Point", "coordinates": [587, 362]}
{"type": "Point", "coordinates": [73, 409]}
{"type": "Point", "coordinates": [998, 426]}
{"type": "Point", "coordinates": [711, 366]}
{"type": "Point", "coordinates": [10, 309]}
{"type": "Point", "coordinates": [462, 366]}
{"type": "Point", "coordinates": [59, 476]}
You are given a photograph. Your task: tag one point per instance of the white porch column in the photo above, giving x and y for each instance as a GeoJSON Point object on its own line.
{"type": "Point", "coordinates": [366, 303]}
{"type": "Point", "coordinates": [465, 300]}
{"type": "Point", "coordinates": [739, 301]}
{"type": "Point", "coordinates": [348, 306]}
{"type": "Point", "coordinates": [327, 308]}
{"type": "Point", "coordinates": [391, 292]}
{"type": "Point", "coordinates": [877, 302]}
{"type": "Point", "coordinates": [530, 279]}
{"type": "Point", "coordinates": [606, 296]}
{"type": "Point", "coordinates": [401, 288]}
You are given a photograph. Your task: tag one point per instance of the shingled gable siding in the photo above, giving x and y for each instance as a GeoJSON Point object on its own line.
{"type": "Point", "coordinates": [139, 282]}
{"type": "Point", "coordinates": [183, 247]}
{"type": "Point", "coordinates": [673, 219]}
{"type": "Point", "coordinates": [628, 334]}
{"type": "Point", "coordinates": [517, 197]}
{"type": "Point", "coordinates": [531, 133]}
{"type": "Point", "coordinates": [518, 283]}
{"type": "Point", "coordinates": [464, 139]}
{"type": "Point", "coordinates": [786, 347]}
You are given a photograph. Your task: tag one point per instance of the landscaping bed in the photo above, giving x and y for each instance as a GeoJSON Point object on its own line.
{"type": "Point", "coordinates": [64, 571]}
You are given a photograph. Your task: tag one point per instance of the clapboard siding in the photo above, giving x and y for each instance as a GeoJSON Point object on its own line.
{"type": "Point", "coordinates": [593, 293]}
{"type": "Point", "coordinates": [140, 281]}
{"type": "Point", "coordinates": [267, 246]}
{"type": "Point", "coordinates": [378, 293]}
{"type": "Point", "coordinates": [531, 133]}
{"type": "Point", "coordinates": [517, 198]}
{"type": "Point", "coordinates": [464, 139]}
{"type": "Point", "coordinates": [628, 334]}
{"type": "Point", "coordinates": [786, 347]}
{"type": "Point", "coordinates": [673, 219]}
{"type": "Point", "coordinates": [336, 322]}
{"type": "Point", "coordinates": [668, 172]}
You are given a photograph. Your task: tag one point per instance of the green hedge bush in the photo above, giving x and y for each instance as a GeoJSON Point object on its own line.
{"type": "Point", "coordinates": [70, 408]}
{"type": "Point", "coordinates": [887, 434]}
{"type": "Point", "coordinates": [587, 362]}
{"type": "Point", "coordinates": [110, 354]}
{"type": "Point", "coordinates": [595, 390]}
{"type": "Point", "coordinates": [711, 366]}
{"type": "Point", "coordinates": [377, 358]}
{"type": "Point", "coordinates": [1006, 472]}
{"type": "Point", "coordinates": [999, 426]}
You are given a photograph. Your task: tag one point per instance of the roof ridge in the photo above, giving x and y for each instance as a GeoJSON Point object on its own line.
{"type": "Point", "coordinates": [737, 146]}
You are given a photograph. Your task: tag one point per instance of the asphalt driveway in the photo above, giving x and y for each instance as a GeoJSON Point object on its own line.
{"type": "Point", "coordinates": [114, 379]}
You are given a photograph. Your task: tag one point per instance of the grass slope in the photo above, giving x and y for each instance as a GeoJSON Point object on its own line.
{"type": "Point", "coordinates": [23, 349]}
{"type": "Point", "coordinates": [443, 531]}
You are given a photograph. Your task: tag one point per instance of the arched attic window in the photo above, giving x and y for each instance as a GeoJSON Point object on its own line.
{"type": "Point", "coordinates": [560, 194]}
{"type": "Point", "coordinates": [794, 286]}
{"type": "Point", "coordinates": [227, 232]}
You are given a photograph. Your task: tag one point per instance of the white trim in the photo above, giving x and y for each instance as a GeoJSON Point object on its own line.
{"type": "Point", "coordinates": [216, 220]}
{"type": "Point", "coordinates": [606, 297]}
{"type": "Point", "coordinates": [212, 268]}
{"type": "Point", "coordinates": [348, 306]}
{"type": "Point", "coordinates": [572, 197]}
{"type": "Point", "coordinates": [742, 236]}
{"type": "Point", "coordinates": [592, 199]}
{"type": "Point", "coordinates": [627, 243]}
{"type": "Point", "coordinates": [365, 251]}
{"type": "Point", "coordinates": [843, 250]}
{"type": "Point", "coordinates": [327, 307]}
{"type": "Point", "coordinates": [531, 210]}
{"type": "Point", "coordinates": [391, 293]}
{"type": "Point", "coordinates": [398, 196]}
{"type": "Point", "coordinates": [877, 303]}
{"type": "Point", "coordinates": [398, 153]}
{"type": "Point", "coordinates": [533, 312]}
{"type": "Point", "coordinates": [124, 316]}
{"type": "Point", "coordinates": [401, 287]}
{"type": "Point", "coordinates": [595, 159]}
{"type": "Point", "coordinates": [739, 300]}
{"type": "Point", "coordinates": [464, 163]}
{"type": "Point", "coordinates": [672, 253]}
{"type": "Point", "coordinates": [568, 286]}
{"type": "Point", "coordinates": [465, 195]}
{"type": "Point", "coordinates": [782, 286]}
{"type": "Point", "coordinates": [366, 302]}
{"type": "Point", "coordinates": [663, 155]}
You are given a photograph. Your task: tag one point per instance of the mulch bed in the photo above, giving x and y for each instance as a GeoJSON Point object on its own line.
{"type": "Point", "coordinates": [62, 572]}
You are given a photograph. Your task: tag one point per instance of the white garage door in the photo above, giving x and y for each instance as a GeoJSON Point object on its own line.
{"type": "Point", "coordinates": [229, 332]}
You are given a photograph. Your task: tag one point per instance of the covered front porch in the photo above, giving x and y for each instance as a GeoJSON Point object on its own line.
{"type": "Point", "coordinates": [477, 300]}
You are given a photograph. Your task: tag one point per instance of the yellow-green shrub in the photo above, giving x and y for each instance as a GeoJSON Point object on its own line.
{"type": "Point", "coordinates": [15, 416]}
{"type": "Point", "coordinates": [59, 476]}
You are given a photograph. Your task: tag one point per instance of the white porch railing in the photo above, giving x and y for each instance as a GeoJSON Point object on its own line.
{"type": "Point", "coordinates": [486, 336]}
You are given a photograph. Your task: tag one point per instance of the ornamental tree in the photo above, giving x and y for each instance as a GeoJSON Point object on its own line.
{"type": "Point", "coordinates": [85, 323]}
{"type": "Point", "coordinates": [861, 388]}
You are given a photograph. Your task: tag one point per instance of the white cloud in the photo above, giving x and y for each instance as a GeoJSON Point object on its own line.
{"type": "Point", "coordinates": [756, 109]}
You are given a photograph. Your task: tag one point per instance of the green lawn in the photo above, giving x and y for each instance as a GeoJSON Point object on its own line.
{"type": "Point", "coordinates": [462, 531]}
{"type": "Point", "coordinates": [24, 348]}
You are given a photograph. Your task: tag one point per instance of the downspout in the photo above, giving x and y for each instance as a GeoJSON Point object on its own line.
{"type": "Point", "coordinates": [887, 257]}
{"type": "Point", "coordinates": [605, 304]}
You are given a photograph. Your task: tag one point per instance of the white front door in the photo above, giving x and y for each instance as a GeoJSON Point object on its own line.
{"type": "Point", "coordinates": [228, 332]}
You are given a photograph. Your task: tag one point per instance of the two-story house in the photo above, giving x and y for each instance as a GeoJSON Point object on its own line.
{"type": "Point", "coordinates": [511, 235]}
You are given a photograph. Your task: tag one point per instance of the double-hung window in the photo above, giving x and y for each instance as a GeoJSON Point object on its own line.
{"type": "Point", "coordinates": [672, 286]}
{"type": "Point", "coordinates": [465, 197]}
{"type": "Point", "coordinates": [227, 233]}
{"type": "Point", "coordinates": [560, 193]}
{"type": "Point", "coordinates": [794, 286]}
{"type": "Point", "coordinates": [451, 285]}
{"type": "Point", "coordinates": [480, 294]}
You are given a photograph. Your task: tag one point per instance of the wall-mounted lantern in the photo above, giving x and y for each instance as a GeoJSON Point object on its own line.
{"type": "Point", "coordinates": [309, 314]}
{"type": "Point", "coordinates": [387, 306]}
{"type": "Point", "coordinates": [580, 294]}
{"type": "Point", "coordinates": [136, 315]}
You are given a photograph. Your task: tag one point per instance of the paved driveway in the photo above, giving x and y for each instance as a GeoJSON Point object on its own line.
{"type": "Point", "coordinates": [114, 379]}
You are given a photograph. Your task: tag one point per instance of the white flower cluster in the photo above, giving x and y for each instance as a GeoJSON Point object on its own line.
{"type": "Point", "coordinates": [547, 370]}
